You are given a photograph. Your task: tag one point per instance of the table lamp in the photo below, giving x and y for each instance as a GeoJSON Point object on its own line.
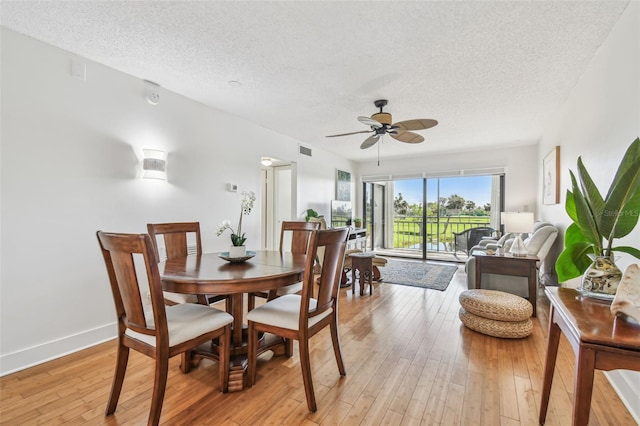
{"type": "Point", "coordinates": [518, 223]}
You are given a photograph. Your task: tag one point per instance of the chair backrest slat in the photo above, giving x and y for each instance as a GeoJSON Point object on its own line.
{"type": "Point", "coordinates": [129, 287]}
{"type": "Point", "coordinates": [175, 237]}
{"type": "Point", "coordinates": [334, 242]}
{"type": "Point", "coordinates": [118, 251]}
{"type": "Point", "coordinates": [300, 235]}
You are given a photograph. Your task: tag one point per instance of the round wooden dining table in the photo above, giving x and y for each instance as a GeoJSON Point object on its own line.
{"type": "Point", "coordinates": [208, 274]}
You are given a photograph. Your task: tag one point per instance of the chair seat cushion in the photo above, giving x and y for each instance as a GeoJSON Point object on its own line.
{"type": "Point", "coordinates": [495, 328]}
{"type": "Point", "coordinates": [180, 298]}
{"type": "Point", "coordinates": [379, 261]}
{"type": "Point", "coordinates": [185, 322]}
{"type": "Point", "coordinates": [347, 258]}
{"type": "Point", "coordinates": [284, 312]}
{"type": "Point", "coordinates": [290, 289]}
{"type": "Point", "coordinates": [496, 305]}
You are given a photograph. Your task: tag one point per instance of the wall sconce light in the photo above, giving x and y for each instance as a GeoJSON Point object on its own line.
{"type": "Point", "coordinates": [154, 165]}
{"type": "Point", "coordinates": [266, 161]}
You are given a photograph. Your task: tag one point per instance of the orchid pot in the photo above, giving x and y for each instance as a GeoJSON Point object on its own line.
{"type": "Point", "coordinates": [237, 251]}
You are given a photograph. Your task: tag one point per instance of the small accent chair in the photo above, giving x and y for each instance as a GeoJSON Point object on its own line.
{"type": "Point", "coordinates": [492, 243]}
{"type": "Point", "coordinates": [299, 317]}
{"type": "Point", "coordinates": [177, 237]}
{"type": "Point", "coordinates": [159, 331]}
{"type": "Point", "coordinates": [299, 232]}
{"type": "Point", "coordinates": [505, 241]}
{"type": "Point", "coordinates": [465, 240]}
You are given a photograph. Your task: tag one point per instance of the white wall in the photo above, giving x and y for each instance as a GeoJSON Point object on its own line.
{"type": "Point", "coordinates": [519, 163]}
{"type": "Point", "coordinates": [599, 120]}
{"type": "Point", "coordinates": [70, 155]}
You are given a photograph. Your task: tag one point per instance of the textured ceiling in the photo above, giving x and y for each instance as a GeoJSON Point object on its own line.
{"type": "Point", "coordinates": [492, 73]}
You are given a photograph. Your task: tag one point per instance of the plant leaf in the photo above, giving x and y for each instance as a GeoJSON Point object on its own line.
{"type": "Point", "coordinates": [585, 218]}
{"type": "Point", "coordinates": [590, 191]}
{"type": "Point", "coordinates": [629, 161]}
{"type": "Point", "coordinates": [570, 206]}
{"type": "Point", "coordinates": [622, 207]}
{"type": "Point", "coordinates": [630, 250]}
{"type": "Point", "coordinates": [573, 261]}
{"type": "Point", "coordinates": [573, 235]}
{"type": "Point", "coordinates": [621, 204]}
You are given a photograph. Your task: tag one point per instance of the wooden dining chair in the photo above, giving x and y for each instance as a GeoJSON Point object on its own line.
{"type": "Point", "coordinates": [300, 316]}
{"type": "Point", "coordinates": [180, 239]}
{"type": "Point", "coordinates": [299, 233]}
{"type": "Point", "coordinates": [159, 331]}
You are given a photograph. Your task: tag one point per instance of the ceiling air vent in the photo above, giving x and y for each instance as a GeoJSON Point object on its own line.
{"type": "Point", "coordinates": [305, 151]}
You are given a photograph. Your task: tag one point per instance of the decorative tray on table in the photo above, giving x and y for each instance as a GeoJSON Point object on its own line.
{"type": "Point", "coordinates": [225, 255]}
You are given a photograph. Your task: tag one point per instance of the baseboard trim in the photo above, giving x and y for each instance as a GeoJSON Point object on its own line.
{"type": "Point", "coordinates": [29, 357]}
{"type": "Point", "coordinates": [627, 386]}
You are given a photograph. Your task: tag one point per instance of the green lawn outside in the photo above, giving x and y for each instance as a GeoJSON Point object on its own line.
{"type": "Point", "coordinates": [407, 231]}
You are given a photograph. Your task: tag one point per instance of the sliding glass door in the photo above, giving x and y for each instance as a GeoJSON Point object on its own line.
{"type": "Point", "coordinates": [374, 219]}
{"type": "Point", "coordinates": [420, 217]}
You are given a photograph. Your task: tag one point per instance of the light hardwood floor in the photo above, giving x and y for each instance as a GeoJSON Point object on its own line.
{"type": "Point", "coordinates": [409, 361]}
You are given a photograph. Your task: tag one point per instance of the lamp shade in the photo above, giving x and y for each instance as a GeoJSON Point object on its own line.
{"type": "Point", "coordinates": [154, 164]}
{"type": "Point", "coordinates": [518, 222]}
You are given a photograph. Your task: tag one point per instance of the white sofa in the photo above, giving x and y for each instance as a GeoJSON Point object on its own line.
{"type": "Point", "coordinates": [537, 244]}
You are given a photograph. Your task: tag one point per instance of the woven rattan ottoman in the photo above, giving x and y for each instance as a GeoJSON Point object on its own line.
{"type": "Point", "coordinates": [496, 313]}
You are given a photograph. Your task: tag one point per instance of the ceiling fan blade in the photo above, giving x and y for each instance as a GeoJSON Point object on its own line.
{"type": "Point", "coordinates": [352, 133]}
{"type": "Point", "coordinates": [369, 122]}
{"type": "Point", "coordinates": [370, 141]}
{"type": "Point", "coordinates": [408, 137]}
{"type": "Point", "coordinates": [416, 124]}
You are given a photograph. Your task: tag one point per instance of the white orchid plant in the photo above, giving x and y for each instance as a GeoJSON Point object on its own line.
{"type": "Point", "coordinates": [237, 236]}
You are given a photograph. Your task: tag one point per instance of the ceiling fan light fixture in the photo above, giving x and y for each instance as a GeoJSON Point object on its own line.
{"type": "Point", "coordinates": [382, 118]}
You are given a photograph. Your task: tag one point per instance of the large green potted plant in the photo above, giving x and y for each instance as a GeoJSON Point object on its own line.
{"type": "Point", "coordinates": [598, 221]}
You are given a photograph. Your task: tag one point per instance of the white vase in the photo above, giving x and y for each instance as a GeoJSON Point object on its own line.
{"type": "Point", "coordinates": [237, 251]}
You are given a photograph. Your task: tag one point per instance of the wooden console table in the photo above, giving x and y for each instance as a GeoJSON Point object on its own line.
{"type": "Point", "coordinates": [520, 266]}
{"type": "Point", "coordinates": [599, 340]}
{"type": "Point", "coordinates": [357, 239]}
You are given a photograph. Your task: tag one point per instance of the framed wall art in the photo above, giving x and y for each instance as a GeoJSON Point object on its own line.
{"type": "Point", "coordinates": [551, 177]}
{"type": "Point", "coordinates": [343, 185]}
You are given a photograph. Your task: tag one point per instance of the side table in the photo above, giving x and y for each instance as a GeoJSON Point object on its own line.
{"type": "Point", "coordinates": [520, 266]}
{"type": "Point", "coordinates": [363, 262]}
{"type": "Point", "coordinates": [599, 340]}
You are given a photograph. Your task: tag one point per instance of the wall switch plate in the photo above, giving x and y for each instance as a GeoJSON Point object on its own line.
{"type": "Point", "coordinates": [78, 70]}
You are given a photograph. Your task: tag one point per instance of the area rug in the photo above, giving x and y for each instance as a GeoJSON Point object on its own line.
{"type": "Point", "coordinates": [434, 276]}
